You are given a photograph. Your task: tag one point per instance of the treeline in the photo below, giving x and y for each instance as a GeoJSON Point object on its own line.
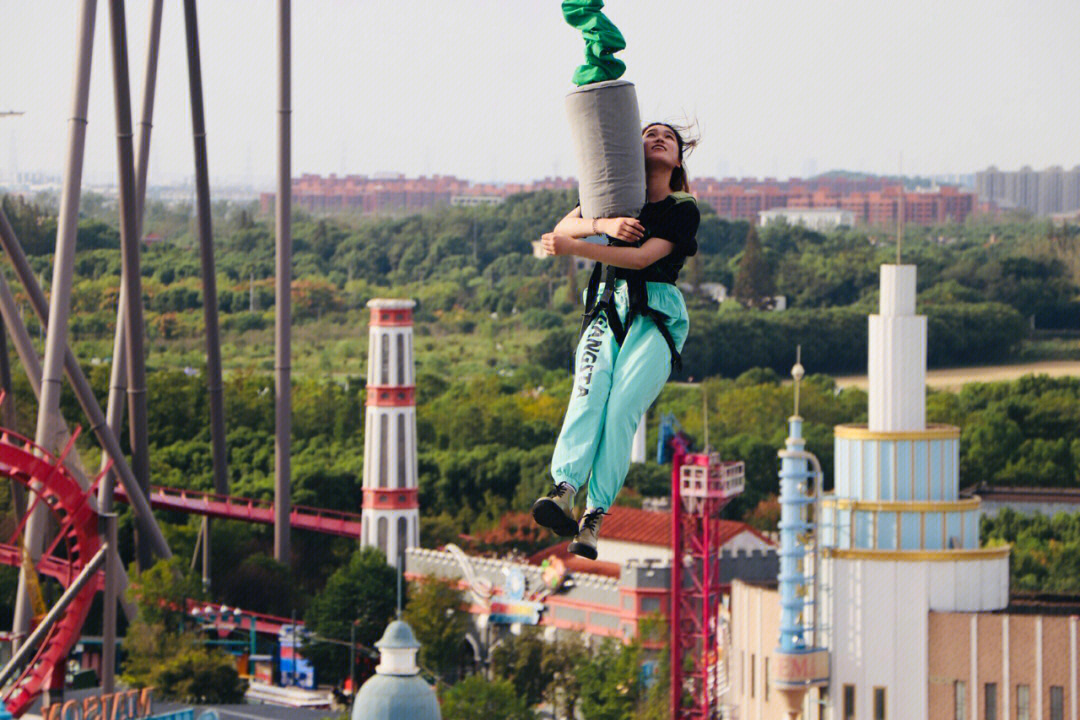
{"type": "Point", "coordinates": [1045, 550]}
{"type": "Point", "coordinates": [833, 340]}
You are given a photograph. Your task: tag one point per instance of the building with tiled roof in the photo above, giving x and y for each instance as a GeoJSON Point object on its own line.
{"type": "Point", "coordinates": [634, 534]}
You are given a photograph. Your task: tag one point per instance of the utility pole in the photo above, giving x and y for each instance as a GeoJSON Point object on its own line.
{"type": "Point", "coordinates": [282, 291]}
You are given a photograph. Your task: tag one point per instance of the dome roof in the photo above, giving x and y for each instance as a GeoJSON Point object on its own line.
{"type": "Point", "coordinates": [396, 697]}
{"type": "Point", "coordinates": [398, 635]}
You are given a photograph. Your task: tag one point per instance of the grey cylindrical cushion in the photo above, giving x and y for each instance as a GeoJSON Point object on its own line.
{"type": "Point", "coordinates": [606, 127]}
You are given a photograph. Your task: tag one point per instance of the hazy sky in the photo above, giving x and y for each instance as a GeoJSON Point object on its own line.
{"type": "Point", "coordinates": [475, 87]}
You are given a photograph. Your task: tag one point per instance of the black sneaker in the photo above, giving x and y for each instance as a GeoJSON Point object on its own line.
{"type": "Point", "coordinates": [556, 510]}
{"type": "Point", "coordinates": [585, 542]}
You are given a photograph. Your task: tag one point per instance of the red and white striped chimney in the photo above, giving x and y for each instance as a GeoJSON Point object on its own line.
{"type": "Point", "coordinates": [391, 515]}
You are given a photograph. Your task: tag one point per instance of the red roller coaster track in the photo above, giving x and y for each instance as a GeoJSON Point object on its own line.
{"type": "Point", "coordinates": [229, 507]}
{"type": "Point", "coordinates": [48, 481]}
{"type": "Point", "coordinates": [77, 540]}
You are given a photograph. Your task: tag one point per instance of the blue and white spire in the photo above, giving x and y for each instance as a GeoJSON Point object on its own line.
{"type": "Point", "coordinates": [800, 665]}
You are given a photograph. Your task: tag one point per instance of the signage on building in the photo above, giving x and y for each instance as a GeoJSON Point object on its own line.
{"type": "Point", "coordinates": [511, 606]}
{"type": "Point", "coordinates": [801, 669]}
{"type": "Point", "coordinates": [128, 705]}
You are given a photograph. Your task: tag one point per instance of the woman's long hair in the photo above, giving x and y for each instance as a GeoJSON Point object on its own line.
{"type": "Point", "coordinates": [687, 142]}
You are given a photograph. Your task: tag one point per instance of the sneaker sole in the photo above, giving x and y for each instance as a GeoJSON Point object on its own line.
{"type": "Point", "coordinates": [548, 514]}
{"type": "Point", "coordinates": [585, 551]}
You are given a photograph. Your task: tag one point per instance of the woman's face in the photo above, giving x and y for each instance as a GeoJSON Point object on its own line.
{"type": "Point", "coordinates": [661, 147]}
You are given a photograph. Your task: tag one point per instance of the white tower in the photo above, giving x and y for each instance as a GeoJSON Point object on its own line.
{"type": "Point", "coordinates": [898, 542]}
{"type": "Point", "coordinates": [391, 517]}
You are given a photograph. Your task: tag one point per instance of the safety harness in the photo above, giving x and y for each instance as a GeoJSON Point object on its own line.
{"type": "Point", "coordinates": [638, 295]}
{"type": "Point", "coordinates": [639, 305]}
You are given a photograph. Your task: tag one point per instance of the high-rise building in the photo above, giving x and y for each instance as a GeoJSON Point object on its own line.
{"type": "Point", "coordinates": [391, 516]}
{"type": "Point", "coordinates": [1041, 192]}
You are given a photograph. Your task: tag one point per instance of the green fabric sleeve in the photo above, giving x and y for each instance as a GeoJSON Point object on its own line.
{"type": "Point", "coordinates": [602, 41]}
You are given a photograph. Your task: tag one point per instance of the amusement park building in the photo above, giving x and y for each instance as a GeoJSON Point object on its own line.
{"type": "Point", "coordinates": [915, 619]}
{"type": "Point", "coordinates": [599, 599]}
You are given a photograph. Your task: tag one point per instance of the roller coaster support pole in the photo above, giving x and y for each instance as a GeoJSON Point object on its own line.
{"type": "Point", "coordinates": [63, 265]}
{"type": "Point", "coordinates": [209, 274]}
{"type": "Point", "coordinates": [282, 290]}
{"type": "Point", "coordinates": [118, 374]}
{"type": "Point", "coordinates": [108, 620]}
{"type": "Point", "coordinates": [129, 243]}
{"type": "Point", "coordinates": [24, 346]}
{"type": "Point", "coordinates": [25, 651]}
{"type": "Point", "coordinates": [7, 418]}
{"type": "Point", "coordinates": [144, 517]}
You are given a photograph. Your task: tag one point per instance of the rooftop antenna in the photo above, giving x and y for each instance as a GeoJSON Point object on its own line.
{"type": "Point", "coordinates": [797, 374]}
{"type": "Point", "coordinates": [705, 413]}
{"type": "Point", "coordinates": [401, 562]}
{"type": "Point", "coordinates": [900, 211]}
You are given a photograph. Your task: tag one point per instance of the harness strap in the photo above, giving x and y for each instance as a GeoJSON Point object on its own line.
{"type": "Point", "coordinates": [639, 306]}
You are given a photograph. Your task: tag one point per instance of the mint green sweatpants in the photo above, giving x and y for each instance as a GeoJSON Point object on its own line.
{"type": "Point", "coordinates": [613, 387]}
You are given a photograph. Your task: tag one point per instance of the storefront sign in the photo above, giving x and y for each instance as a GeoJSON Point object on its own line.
{"type": "Point", "coordinates": [128, 705]}
{"type": "Point", "coordinates": [801, 669]}
{"type": "Point", "coordinates": [506, 611]}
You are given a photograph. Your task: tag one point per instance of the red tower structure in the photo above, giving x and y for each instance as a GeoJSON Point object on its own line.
{"type": "Point", "coordinates": [701, 485]}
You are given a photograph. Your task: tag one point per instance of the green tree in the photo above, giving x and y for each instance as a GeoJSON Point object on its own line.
{"type": "Point", "coordinates": [520, 659]}
{"type": "Point", "coordinates": [435, 615]}
{"type": "Point", "coordinates": [364, 590]}
{"type": "Point", "coordinates": [476, 697]}
{"type": "Point", "coordinates": [610, 681]}
{"type": "Point", "coordinates": [754, 285]}
{"type": "Point", "coordinates": [160, 654]}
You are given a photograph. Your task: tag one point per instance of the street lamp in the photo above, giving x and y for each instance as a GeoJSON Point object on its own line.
{"type": "Point", "coordinates": [352, 656]}
{"type": "Point", "coordinates": [227, 620]}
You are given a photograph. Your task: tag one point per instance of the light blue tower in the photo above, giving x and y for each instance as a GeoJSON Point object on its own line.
{"type": "Point", "coordinates": [800, 665]}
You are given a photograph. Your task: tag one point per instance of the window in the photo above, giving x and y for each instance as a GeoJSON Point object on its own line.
{"type": "Point", "coordinates": [879, 703]}
{"type": "Point", "coordinates": [383, 530]}
{"type": "Point", "coordinates": [384, 376]}
{"type": "Point", "coordinates": [384, 429]}
{"type": "Point", "coordinates": [990, 691]}
{"type": "Point", "coordinates": [960, 700]}
{"type": "Point", "coordinates": [402, 535]}
{"type": "Point", "coordinates": [401, 359]}
{"type": "Point", "coordinates": [849, 702]}
{"type": "Point", "coordinates": [751, 675]}
{"type": "Point", "coordinates": [1023, 702]}
{"type": "Point", "coordinates": [1057, 703]}
{"type": "Point", "coordinates": [401, 474]}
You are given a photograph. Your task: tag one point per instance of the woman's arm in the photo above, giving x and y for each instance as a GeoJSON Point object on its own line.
{"type": "Point", "coordinates": [633, 258]}
{"type": "Point", "coordinates": [575, 226]}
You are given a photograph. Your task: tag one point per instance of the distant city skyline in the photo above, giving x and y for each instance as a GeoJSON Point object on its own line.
{"type": "Point", "coordinates": [783, 89]}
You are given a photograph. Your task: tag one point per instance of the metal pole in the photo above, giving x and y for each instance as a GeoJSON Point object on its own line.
{"type": "Point", "coordinates": [209, 277]}
{"type": "Point", "coordinates": [57, 610]}
{"type": "Point", "coordinates": [144, 517]}
{"type": "Point", "coordinates": [129, 243]}
{"type": "Point", "coordinates": [352, 657]}
{"type": "Point", "coordinates": [282, 289]}
{"type": "Point", "coordinates": [108, 619]}
{"type": "Point", "coordinates": [24, 347]}
{"type": "Point", "coordinates": [7, 417]}
{"type": "Point", "coordinates": [118, 374]}
{"type": "Point", "coordinates": [63, 265]}
{"type": "Point", "coordinates": [252, 619]}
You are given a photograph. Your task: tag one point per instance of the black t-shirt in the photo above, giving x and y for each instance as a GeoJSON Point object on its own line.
{"type": "Point", "coordinates": [675, 219]}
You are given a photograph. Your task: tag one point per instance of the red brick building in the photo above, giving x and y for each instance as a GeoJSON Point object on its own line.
{"type": "Point", "coordinates": [396, 194]}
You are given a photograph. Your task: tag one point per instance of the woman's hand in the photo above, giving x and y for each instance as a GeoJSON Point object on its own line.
{"type": "Point", "coordinates": [624, 228]}
{"type": "Point", "coordinates": [556, 244]}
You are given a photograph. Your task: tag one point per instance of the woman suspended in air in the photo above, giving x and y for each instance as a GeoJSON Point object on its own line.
{"type": "Point", "coordinates": [634, 328]}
